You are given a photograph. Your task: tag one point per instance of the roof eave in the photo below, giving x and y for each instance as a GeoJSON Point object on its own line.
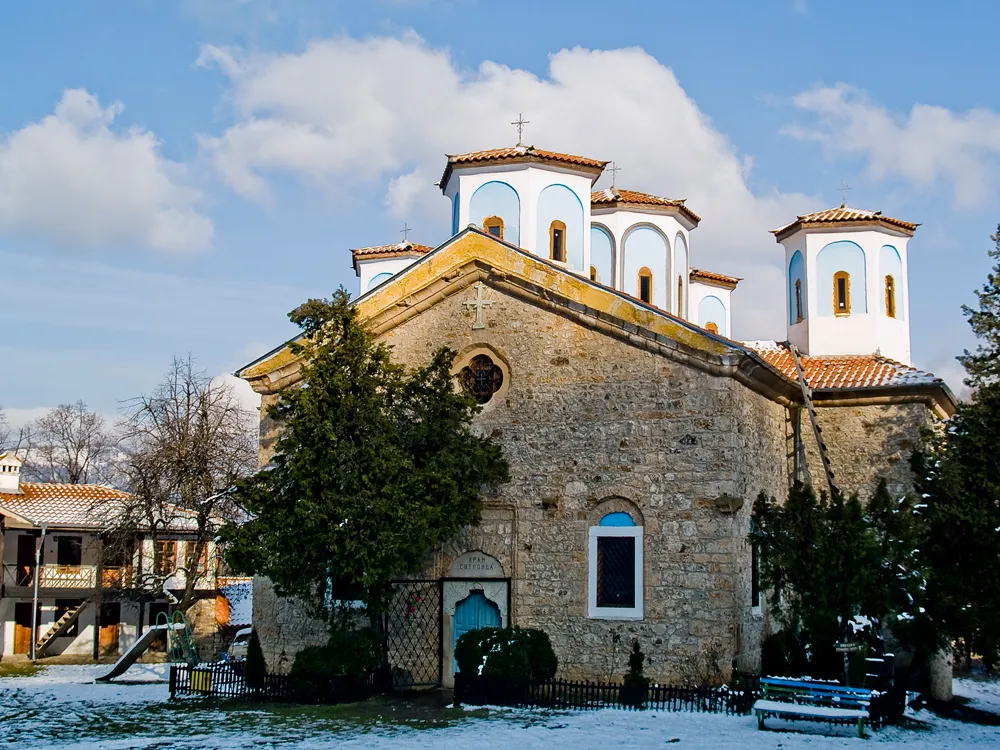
{"type": "Point", "coordinates": [691, 219]}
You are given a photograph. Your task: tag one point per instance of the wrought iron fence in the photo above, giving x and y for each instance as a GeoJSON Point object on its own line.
{"type": "Point", "coordinates": [413, 634]}
{"type": "Point", "coordinates": [564, 694]}
{"type": "Point", "coordinates": [227, 681]}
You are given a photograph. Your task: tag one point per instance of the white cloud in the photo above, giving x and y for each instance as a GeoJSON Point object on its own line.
{"type": "Point", "coordinates": [75, 178]}
{"type": "Point", "coordinates": [928, 146]}
{"type": "Point", "coordinates": [386, 110]}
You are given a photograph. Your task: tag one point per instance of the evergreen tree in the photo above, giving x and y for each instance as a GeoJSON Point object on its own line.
{"type": "Point", "coordinates": [254, 668]}
{"type": "Point", "coordinates": [983, 365]}
{"type": "Point", "coordinates": [375, 466]}
{"type": "Point", "coordinates": [829, 561]}
{"type": "Point", "coordinates": [958, 477]}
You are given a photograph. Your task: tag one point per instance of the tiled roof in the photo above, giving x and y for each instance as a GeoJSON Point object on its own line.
{"type": "Point", "coordinates": [719, 278]}
{"type": "Point", "coordinates": [519, 154]}
{"type": "Point", "coordinates": [833, 371]}
{"type": "Point", "coordinates": [844, 214]}
{"type": "Point", "coordinates": [397, 250]}
{"type": "Point", "coordinates": [74, 505]}
{"type": "Point", "coordinates": [614, 197]}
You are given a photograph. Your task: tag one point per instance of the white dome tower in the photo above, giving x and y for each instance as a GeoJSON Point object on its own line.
{"type": "Point", "coordinates": [846, 283]}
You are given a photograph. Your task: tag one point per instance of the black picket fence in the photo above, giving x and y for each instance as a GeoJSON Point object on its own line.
{"type": "Point", "coordinates": [227, 681]}
{"type": "Point", "coordinates": [582, 694]}
{"type": "Point", "coordinates": [735, 700]}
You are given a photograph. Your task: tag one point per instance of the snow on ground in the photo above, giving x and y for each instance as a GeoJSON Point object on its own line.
{"type": "Point", "coordinates": [62, 708]}
{"type": "Point", "coordinates": [982, 694]}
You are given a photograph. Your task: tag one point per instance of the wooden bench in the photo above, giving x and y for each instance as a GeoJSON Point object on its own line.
{"type": "Point", "coordinates": [812, 701]}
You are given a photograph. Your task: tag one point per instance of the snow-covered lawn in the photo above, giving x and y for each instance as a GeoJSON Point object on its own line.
{"type": "Point", "coordinates": [61, 707]}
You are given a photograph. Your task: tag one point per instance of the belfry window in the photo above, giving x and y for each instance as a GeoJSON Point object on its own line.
{"type": "Point", "coordinates": [615, 568]}
{"type": "Point", "coordinates": [646, 285]}
{"type": "Point", "coordinates": [680, 296]}
{"type": "Point", "coordinates": [798, 301]}
{"type": "Point", "coordinates": [890, 296]}
{"type": "Point", "coordinates": [481, 378]}
{"type": "Point", "coordinates": [494, 225]}
{"type": "Point", "coordinates": [557, 241]}
{"type": "Point", "coordinates": [593, 274]}
{"type": "Point", "coordinates": [842, 293]}
{"type": "Point", "coordinates": [713, 327]}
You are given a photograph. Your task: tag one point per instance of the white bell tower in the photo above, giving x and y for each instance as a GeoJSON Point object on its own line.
{"type": "Point", "coordinates": [846, 283]}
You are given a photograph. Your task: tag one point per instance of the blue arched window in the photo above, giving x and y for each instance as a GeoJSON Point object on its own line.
{"type": "Point", "coordinates": [456, 204]}
{"type": "Point", "coordinates": [797, 309]}
{"type": "Point", "coordinates": [560, 226]}
{"type": "Point", "coordinates": [712, 315]}
{"type": "Point", "coordinates": [497, 200]}
{"type": "Point", "coordinates": [841, 280]}
{"type": "Point", "coordinates": [377, 279]}
{"type": "Point", "coordinates": [891, 268]}
{"type": "Point", "coordinates": [602, 255]}
{"type": "Point", "coordinates": [680, 271]}
{"type": "Point", "coordinates": [615, 568]}
{"type": "Point", "coordinates": [645, 248]}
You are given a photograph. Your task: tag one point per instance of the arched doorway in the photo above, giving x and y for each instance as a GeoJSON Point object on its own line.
{"type": "Point", "coordinates": [473, 612]}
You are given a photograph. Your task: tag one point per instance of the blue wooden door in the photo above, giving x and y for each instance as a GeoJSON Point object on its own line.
{"type": "Point", "coordinates": [472, 613]}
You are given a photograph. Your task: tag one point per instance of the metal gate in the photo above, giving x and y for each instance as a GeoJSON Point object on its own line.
{"type": "Point", "coordinates": [413, 633]}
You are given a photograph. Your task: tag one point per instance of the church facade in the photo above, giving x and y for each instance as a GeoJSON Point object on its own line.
{"type": "Point", "coordinates": [638, 432]}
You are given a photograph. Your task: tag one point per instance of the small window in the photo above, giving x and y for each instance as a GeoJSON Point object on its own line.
{"type": "Point", "coordinates": [481, 378]}
{"type": "Point", "coordinates": [890, 296]}
{"type": "Point", "coordinates": [615, 568]}
{"type": "Point", "coordinates": [680, 296]}
{"type": "Point", "coordinates": [69, 551]}
{"type": "Point", "coordinates": [713, 327]}
{"type": "Point", "coordinates": [842, 293]}
{"type": "Point", "coordinates": [798, 301]}
{"type": "Point", "coordinates": [164, 557]}
{"type": "Point", "coordinates": [494, 225]}
{"type": "Point", "coordinates": [557, 241]}
{"type": "Point", "coordinates": [646, 285]}
{"type": "Point", "coordinates": [593, 274]}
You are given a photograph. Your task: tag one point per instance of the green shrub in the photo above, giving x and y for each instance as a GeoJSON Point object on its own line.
{"type": "Point", "coordinates": [635, 684]}
{"type": "Point", "coordinates": [350, 654]}
{"type": "Point", "coordinates": [518, 654]}
{"type": "Point", "coordinates": [255, 669]}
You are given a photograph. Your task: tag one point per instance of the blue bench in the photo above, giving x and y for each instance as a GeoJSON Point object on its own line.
{"type": "Point", "coordinates": [812, 701]}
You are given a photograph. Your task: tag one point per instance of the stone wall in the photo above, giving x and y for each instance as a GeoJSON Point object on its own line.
{"type": "Point", "coordinates": [284, 626]}
{"type": "Point", "coordinates": [866, 443]}
{"type": "Point", "coordinates": [584, 418]}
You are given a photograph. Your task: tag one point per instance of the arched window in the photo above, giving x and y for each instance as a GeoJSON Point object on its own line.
{"type": "Point", "coordinates": [798, 301]}
{"type": "Point", "coordinates": [593, 274]}
{"type": "Point", "coordinates": [842, 293]}
{"type": "Point", "coordinates": [557, 241]}
{"type": "Point", "coordinates": [615, 568]}
{"type": "Point", "coordinates": [646, 285]}
{"type": "Point", "coordinates": [711, 326]}
{"type": "Point", "coordinates": [890, 296]}
{"type": "Point", "coordinates": [481, 378]}
{"type": "Point", "coordinates": [680, 296]}
{"type": "Point", "coordinates": [494, 225]}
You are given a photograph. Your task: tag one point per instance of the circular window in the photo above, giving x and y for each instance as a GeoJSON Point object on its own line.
{"type": "Point", "coordinates": [481, 378]}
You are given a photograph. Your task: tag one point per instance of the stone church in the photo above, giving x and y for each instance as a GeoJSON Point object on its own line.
{"type": "Point", "coordinates": [638, 431]}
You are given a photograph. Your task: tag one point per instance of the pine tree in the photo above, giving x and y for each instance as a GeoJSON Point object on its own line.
{"type": "Point", "coordinates": [374, 467]}
{"type": "Point", "coordinates": [958, 477]}
{"type": "Point", "coordinates": [983, 365]}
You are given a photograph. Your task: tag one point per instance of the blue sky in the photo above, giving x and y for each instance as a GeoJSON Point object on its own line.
{"type": "Point", "coordinates": [176, 176]}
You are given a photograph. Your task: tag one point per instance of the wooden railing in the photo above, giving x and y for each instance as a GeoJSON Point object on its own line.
{"type": "Point", "coordinates": [51, 576]}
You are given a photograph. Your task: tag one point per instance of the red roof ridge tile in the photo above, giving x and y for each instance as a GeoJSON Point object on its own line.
{"type": "Point", "coordinates": [613, 196]}
{"type": "Point", "coordinates": [519, 153]}
{"type": "Point", "coordinates": [845, 214]}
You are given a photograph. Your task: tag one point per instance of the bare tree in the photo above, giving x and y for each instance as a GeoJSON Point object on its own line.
{"type": "Point", "coordinates": [71, 444]}
{"type": "Point", "coordinates": [183, 446]}
{"type": "Point", "coordinates": [16, 441]}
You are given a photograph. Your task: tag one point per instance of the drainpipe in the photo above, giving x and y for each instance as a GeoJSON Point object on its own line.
{"type": "Point", "coordinates": [34, 606]}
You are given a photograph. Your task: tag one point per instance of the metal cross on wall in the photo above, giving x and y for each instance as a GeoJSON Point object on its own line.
{"type": "Point", "coordinates": [520, 122]}
{"type": "Point", "coordinates": [479, 303]}
{"type": "Point", "coordinates": [614, 169]}
{"type": "Point", "coordinates": [405, 231]}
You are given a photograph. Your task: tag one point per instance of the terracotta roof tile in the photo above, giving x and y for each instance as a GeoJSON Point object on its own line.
{"type": "Point", "coordinates": [400, 249]}
{"type": "Point", "coordinates": [719, 278]}
{"type": "Point", "coordinates": [74, 505]}
{"type": "Point", "coordinates": [844, 214]}
{"type": "Point", "coordinates": [519, 154]}
{"type": "Point", "coordinates": [616, 197]}
{"type": "Point", "coordinates": [833, 371]}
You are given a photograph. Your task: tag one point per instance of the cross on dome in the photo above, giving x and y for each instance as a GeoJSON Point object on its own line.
{"type": "Point", "coordinates": [614, 169]}
{"type": "Point", "coordinates": [844, 187]}
{"type": "Point", "coordinates": [405, 231]}
{"type": "Point", "coordinates": [520, 122]}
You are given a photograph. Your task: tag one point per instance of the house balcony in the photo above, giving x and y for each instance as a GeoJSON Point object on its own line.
{"type": "Point", "coordinates": [19, 578]}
